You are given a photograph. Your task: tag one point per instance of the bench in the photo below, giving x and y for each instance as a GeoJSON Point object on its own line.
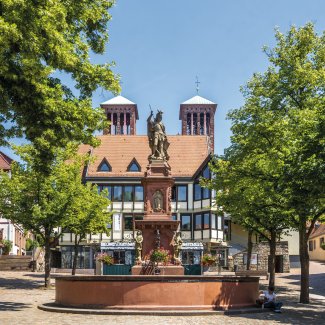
{"type": "Point", "coordinates": [253, 273]}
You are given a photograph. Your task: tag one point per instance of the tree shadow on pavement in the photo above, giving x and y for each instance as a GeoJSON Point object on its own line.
{"type": "Point", "coordinates": [316, 282]}
{"type": "Point", "coordinates": [18, 283]}
{"type": "Point", "coordinates": [13, 306]}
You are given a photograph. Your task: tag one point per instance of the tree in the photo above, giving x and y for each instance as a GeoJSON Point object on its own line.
{"type": "Point", "coordinates": [244, 189]}
{"type": "Point", "coordinates": [284, 115]}
{"type": "Point", "coordinates": [41, 203]}
{"type": "Point", "coordinates": [42, 42]}
{"type": "Point", "coordinates": [87, 215]}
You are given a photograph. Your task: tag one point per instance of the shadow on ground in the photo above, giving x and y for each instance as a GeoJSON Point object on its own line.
{"type": "Point", "coordinates": [293, 314]}
{"type": "Point", "coordinates": [19, 283]}
{"type": "Point", "coordinates": [13, 306]}
{"type": "Point", "coordinates": [316, 282]}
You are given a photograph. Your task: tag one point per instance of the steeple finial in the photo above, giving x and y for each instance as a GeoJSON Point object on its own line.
{"type": "Point", "coordinates": [197, 84]}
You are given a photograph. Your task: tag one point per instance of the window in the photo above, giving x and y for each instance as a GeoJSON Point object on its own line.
{"type": "Point", "coordinates": [205, 193]}
{"type": "Point", "coordinates": [108, 188]}
{"type": "Point", "coordinates": [310, 245]}
{"type": "Point", "coordinates": [213, 221]}
{"type": "Point", "coordinates": [182, 193]}
{"type": "Point", "coordinates": [198, 222]}
{"type": "Point", "coordinates": [173, 193]}
{"type": "Point", "coordinates": [206, 172]}
{"type": "Point", "coordinates": [117, 193]}
{"type": "Point", "coordinates": [128, 193]}
{"type": "Point", "coordinates": [321, 241]}
{"type": "Point", "coordinates": [119, 257]}
{"type": "Point", "coordinates": [187, 257]}
{"type": "Point", "coordinates": [138, 193]}
{"type": "Point", "coordinates": [128, 222]}
{"type": "Point", "coordinates": [174, 217]}
{"type": "Point", "coordinates": [186, 222]}
{"type": "Point", "coordinates": [197, 192]}
{"type": "Point", "coordinates": [104, 166]}
{"type": "Point", "coordinates": [206, 220]}
{"type": "Point", "coordinates": [134, 166]}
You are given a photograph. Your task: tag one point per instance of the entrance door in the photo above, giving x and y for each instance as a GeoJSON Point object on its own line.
{"type": "Point", "coordinates": [279, 264]}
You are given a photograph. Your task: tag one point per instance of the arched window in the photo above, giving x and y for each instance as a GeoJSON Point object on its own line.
{"type": "Point", "coordinates": [104, 166]}
{"type": "Point", "coordinates": [134, 166]}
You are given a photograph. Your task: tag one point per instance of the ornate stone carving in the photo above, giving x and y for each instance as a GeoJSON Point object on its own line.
{"type": "Point", "coordinates": [157, 199]}
{"type": "Point", "coordinates": [177, 243]}
{"type": "Point", "coordinates": [138, 246]}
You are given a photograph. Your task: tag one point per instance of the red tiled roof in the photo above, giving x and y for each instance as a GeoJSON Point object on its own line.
{"type": "Point", "coordinates": [318, 231]}
{"type": "Point", "coordinates": [5, 161]}
{"type": "Point", "coordinates": [187, 153]}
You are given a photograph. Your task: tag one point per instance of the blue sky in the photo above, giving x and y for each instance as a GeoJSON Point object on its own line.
{"type": "Point", "coordinates": [161, 46]}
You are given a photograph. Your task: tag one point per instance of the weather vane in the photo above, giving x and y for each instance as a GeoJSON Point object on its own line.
{"type": "Point", "coordinates": [197, 84]}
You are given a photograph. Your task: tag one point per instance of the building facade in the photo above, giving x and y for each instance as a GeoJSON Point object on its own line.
{"type": "Point", "coordinates": [9, 230]}
{"type": "Point", "coordinates": [119, 164]}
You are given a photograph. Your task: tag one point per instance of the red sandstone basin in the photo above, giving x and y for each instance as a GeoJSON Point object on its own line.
{"type": "Point", "coordinates": [143, 292]}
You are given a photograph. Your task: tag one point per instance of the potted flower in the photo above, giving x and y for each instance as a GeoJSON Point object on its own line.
{"type": "Point", "coordinates": [160, 255]}
{"type": "Point", "coordinates": [207, 260]}
{"type": "Point", "coordinates": [105, 259]}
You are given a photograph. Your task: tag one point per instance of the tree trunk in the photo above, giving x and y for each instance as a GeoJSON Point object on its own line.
{"type": "Point", "coordinates": [47, 259]}
{"type": "Point", "coordinates": [304, 262]}
{"type": "Point", "coordinates": [271, 265]}
{"type": "Point", "coordinates": [75, 257]}
{"type": "Point", "coordinates": [249, 249]}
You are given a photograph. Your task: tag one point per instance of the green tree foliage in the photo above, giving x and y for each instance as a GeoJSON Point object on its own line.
{"type": "Point", "coordinates": [278, 135]}
{"type": "Point", "coordinates": [245, 190]}
{"type": "Point", "coordinates": [87, 215]}
{"type": "Point", "coordinates": [41, 203]}
{"type": "Point", "coordinates": [41, 41]}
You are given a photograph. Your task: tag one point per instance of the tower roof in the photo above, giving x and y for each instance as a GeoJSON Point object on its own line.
{"type": "Point", "coordinates": [118, 100]}
{"type": "Point", "coordinates": [198, 100]}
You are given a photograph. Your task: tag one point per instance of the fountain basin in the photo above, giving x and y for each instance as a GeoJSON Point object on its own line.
{"type": "Point", "coordinates": [142, 292]}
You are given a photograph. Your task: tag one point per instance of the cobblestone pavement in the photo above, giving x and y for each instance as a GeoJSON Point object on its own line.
{"type": "Point", "coordinates": [21, 292]}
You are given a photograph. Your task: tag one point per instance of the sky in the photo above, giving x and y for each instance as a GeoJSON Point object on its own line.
{"type": "Point", "coordinates": [160, 46]}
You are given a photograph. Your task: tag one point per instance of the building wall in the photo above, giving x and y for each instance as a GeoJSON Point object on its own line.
{"type": "Point", "coordinates": [15, 234]}
{"type": "Point", "coordinates": [261, 261]}
{"type": "Point", "coordinates": [316, 253]}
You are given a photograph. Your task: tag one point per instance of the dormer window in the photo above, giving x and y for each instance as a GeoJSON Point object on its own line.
{"type": "Point", "coordinates": [134, 166]}
{"type": "Point", "coordinates": [104, 166]}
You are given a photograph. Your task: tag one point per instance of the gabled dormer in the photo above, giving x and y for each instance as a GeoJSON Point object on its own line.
{"type": "Point", "coordinates": [104, 166]}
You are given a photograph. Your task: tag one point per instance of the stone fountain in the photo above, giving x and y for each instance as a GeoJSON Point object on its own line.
{"type": "Point", "coordinates": [171, 290]}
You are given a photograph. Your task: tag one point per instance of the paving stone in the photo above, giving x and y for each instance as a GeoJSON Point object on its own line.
{"type": "Point", "coordinates": [21, 293]}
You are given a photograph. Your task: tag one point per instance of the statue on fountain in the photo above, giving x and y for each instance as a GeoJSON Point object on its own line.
{"type": "Point", "coordinates": [138, 246]}
{"type": "Point", "coordinates": [157, 137]}
{"type": "Point", "coordinates": [177, 243]}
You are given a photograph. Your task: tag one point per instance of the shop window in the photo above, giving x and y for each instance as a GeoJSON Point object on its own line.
{"type": "Point", "coordinates": [138, 193]}
{"type": "Point", "coordinates": [186, 222]}
{"type": "Point", "coordinates": [119, 257]}
{"type": "Point", "coordinates": [187, 258]}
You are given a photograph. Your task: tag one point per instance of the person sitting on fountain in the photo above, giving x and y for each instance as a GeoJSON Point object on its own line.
{"type": "Point", "coordinates": [270, 300]}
